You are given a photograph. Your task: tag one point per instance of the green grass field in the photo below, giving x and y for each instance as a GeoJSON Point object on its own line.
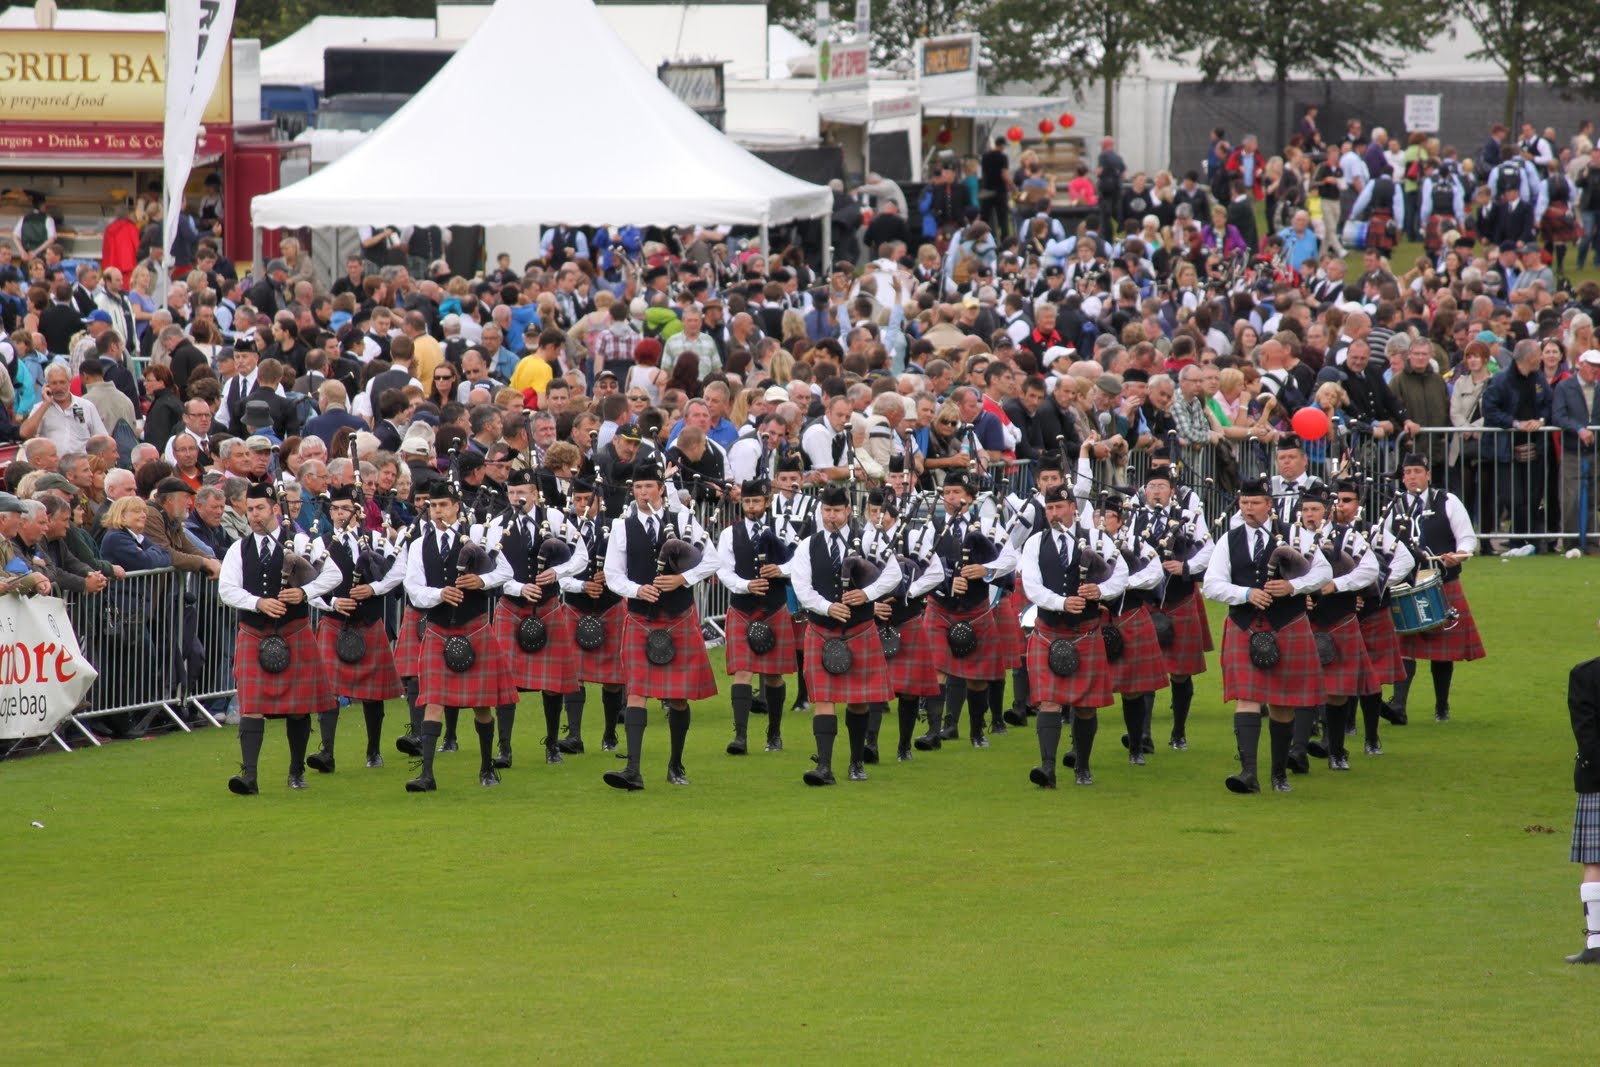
{"type": "Point", "coordinates": [1412, 911]}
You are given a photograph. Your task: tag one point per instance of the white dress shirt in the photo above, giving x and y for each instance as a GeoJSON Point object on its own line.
{"type": "Point", "coordinates": [1050, 541]}
{"type": "Point", "coordinates": [800, 573]}
{"type": "Point", "coordinates": [424, 596]}
{"type": "Point", "coordinates": [689, 529]}
{"type": "Point", "coordinates": [559, 527]}
{"type": "Point", "coordinates": [230, 583]}
{"type": "Point", "coordinates": [1219, 587]}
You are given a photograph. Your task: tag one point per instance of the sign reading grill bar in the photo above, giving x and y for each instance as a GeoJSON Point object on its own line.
{"type": "Point", "coordinates": [82, 76]}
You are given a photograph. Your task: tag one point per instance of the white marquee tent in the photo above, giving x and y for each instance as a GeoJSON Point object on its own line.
{"type": "Point", "coordinates": [620, 148]}
{"type": "Point", "coordinates": [297, 59]}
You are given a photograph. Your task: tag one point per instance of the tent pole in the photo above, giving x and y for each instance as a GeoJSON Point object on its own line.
{"type": "Point", "coordinates": [827, 244]}
{"type": "Point", "coordinates": [255, 247]}
{"type": "Point", "coordinates": [766, 240]}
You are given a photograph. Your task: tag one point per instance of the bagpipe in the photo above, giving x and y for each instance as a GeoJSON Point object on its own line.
{"type": "Point", "coordinates": [473, 555]}
{"type": "Point", "coordinates": [769, 548]}
{"type": "Point", "coordinates": [679, 553]}
{"type": "Point", "coordinates": [976, 547]}
{"type": "Point", "coordinates": [1288, 563]}
{"type": "Point", "coordinates": [552, 551]}
{"type": "Point", "coordinates": [272, 650]}
{"type": "Point", "coordinates": [856, 572]}
{"type": "Point", "coordinates": [1092, 569]}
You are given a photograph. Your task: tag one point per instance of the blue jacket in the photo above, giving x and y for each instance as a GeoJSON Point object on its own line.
{"type": "Point", "coordinates": [1500, 406]}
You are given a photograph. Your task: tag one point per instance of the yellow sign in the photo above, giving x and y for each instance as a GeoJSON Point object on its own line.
{"type": "Point", "coordinates": [88, 76]}
{"type": "Point", "coordinates": [948, 55]}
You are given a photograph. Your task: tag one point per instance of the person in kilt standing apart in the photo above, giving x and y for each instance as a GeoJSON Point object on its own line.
{"type": "Point", "coordinates": [907, 648]}
{"type": "Point", "coordinates": [663, 652]}
{"type": "Point", "coordinates": [537, 541]}
{"type": "Point", "coordinates": [1280, 669]}
{"type": "Point", "coordinates": [1067, 665]}
{"type": "Point", "coordinates": [760, 634]}
{"type": "Point", "coordinates": [450, 578]}
{"type": "Point", "coordinates": [1583, 704]}
{"type": "Point", "coordinates": [598, 626]}
{"type": "Point", "coordinates": [1184, 547]}
{"type": "Point", "coordinates": [968, 648]}
{"type": "Point", "coordinates": [1435, 526]}
{"type": "Point", "coordinates": [277, 666]}
{"type": "Point", "coordinates": [1383, 664]}
{"type": "Point", "coordinates": [355, 646]}
{"type": "Point", "coordinates": [1340, 647]}
{"type": "Point", "coordinates": [844, 654]}
{"type": "Point", "coordinates": [1137, 667]}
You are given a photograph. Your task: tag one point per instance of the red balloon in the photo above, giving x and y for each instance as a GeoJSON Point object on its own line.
{"type": "Point", "coordinates": [1014, 134]}
{"type": "Point", "coordinates": [1046, 127]}
{"type": "Point", "coordinates": [1310, 423]}
{"type": "Point", "coordinates": [945, 136]}
{"type": "Point", "coordinates": [1067, 120]}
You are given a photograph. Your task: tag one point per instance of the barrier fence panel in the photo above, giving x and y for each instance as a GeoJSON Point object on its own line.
{"type": "Point", "coordinates": [132, 632]}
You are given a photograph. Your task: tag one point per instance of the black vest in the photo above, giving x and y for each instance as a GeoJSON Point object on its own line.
{"type": "Point", "coordinates": [1434, 533]}
{"type": "Point", "coordinates": [1376, 599]}
{"type": "Point", "coordinates": [1284, 609]}
{"type": "Point", "coordinates": [442, 571]}
{"type": "Point", "coordinates": [521, 548]}
{"type": "Point", "coordinates": [1330, 608]}
{"type": "Point", "coordinates": [826, 580]}
{"type": "Point", "coordinates": [1382, 202]}
{"type": "Point", "coordinates": [264, 578]}
{"type": "Point", "coordinates": [367, 611]}
{"type": "Point", "coordinates": [1444, 199]}
{"type": "Point", "coordinates": [1063, 580]}
{"type": "Point", "coordinates": [1174, 587]}
{"type": "Point", "coordinates": [949, 550]}
{"type": "Point", "coordinates": [746, 566]}
{"type": "Point", "coordinates": [595, 541]}
{"type": "Point", "coordinates": [643, 567]}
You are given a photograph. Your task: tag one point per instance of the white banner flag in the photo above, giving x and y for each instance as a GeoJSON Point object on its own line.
{"type": "Point", "coordinates": [43, 674]}
{"type": "Point", "coordinates": [197, 42]}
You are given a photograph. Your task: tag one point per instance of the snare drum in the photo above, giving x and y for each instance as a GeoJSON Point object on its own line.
{"type": "Point", "coordinates": [1420, 607]}
{"type": "Point", "coordinates": [1354, 236]}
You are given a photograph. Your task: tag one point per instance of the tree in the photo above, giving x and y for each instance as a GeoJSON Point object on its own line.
{"type": "Point", "coordinates": [1077, 42]}
{"type": "Point", "coordinates": [1550, 40]}
{"type": "Point", "coordinates": [1238, 37]}
{"type": "Point", "coordinates": [273, 20]}
{"type": "Point", "coordinates": [896, 25]}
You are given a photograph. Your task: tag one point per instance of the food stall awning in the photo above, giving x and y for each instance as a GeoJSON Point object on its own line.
{"type": "Point", "coordinates": [856, 109]}
{"type": "Point", "coordinates": [991, 107]}
{"type": "Point", "coordinates": [90, 146]}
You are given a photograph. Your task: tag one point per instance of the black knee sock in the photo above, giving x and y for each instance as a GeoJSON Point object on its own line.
{"type": "Point", "coordinates": [678, 727]}
{"type": "Point", "coordinates": [452, 718]}
{"type": "Point", "coordinates": [1182, 699]}
{"type": "Point", "coordinates": [372, 711]}
{"type": "Point", "coordinates": [955, 696]}
{"type": "Point", "coordinates": [740, 695]}
{"type": "Point", "coordinates": [328, 725]}
{"type": "Point", "coordinates": [908, 722]}
{"type": "Point", "coordinates": [1280, 736]}
{"type": "Point", "coordinates": [1049, 726]}
{"type": "Point", "coordinates": [1149, 714]}
{"type": "Point", "coordinates": [552, 718]}
{"type": "Point", "coordinates": [997, 700]}
{"type": "Point", "coordinates": [430, 745]}
{"type": "Point", "coordinates": [1305, 720]}
{"type": "Point", "coordinates": [485, 743]}
{"type": "Point", "coordinates": [611, 701]}
{"type": "Point", "coordinates": [506, 717]}
{"type": "Point", "coordinates": [414, 709]}
{"type": "Point", "coordinates": [1021, 688]}
{"type": "Point", "coordinates": [573, 703]}
{"type": "Point", "coordinates": [800, 693]}
{"type": "Point", "coordinates": [298, 730]}
{"type": "Point", "coordinates": [977, 708]}
{"type": "Point", "coordinates": [824, 728]}
{"type": "Point", "coordinates": [874, 716]}
{"type": "Point", "coordinates": [776, 697]}
{"type": "Point", "coordinates": [1083, 731]}
{"type": "Point", "coordinates": [252, 731]}
{"type": "Point", "coordinates": [855, 724]}
{"type": "Point", "coordinates": [1561, 259]}
{"type": "Point", "coordinates": [1371, 712]}
{"type": "Point", "coordinates": [1335, 731]}
{"type": "Point", "coordinates": [936, 710]}
{"type": "Point", "coordinates": [1247, 728]}
{"type": "Point", "coordinates": [1133, 719]}
{"type": "Point", "coordinates": [1443, 671]}
{"type": "Point", "coordinates": [633, 720]}
{"type": "Point", "coordinates": [1402, 689]}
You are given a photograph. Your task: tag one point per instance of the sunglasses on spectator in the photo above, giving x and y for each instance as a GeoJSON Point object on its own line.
{"type": "Point", "coordinates": [444, 377]}
{"type": "Point", "coordinates": [640, 399]}
{"type": "Point", "coordinates": [948, 422]}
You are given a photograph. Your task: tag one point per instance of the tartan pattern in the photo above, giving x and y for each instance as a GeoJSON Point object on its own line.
{"type": "Point", "coordinates": [780, 659]}
{"type": "Point", "coordinates": [552, 669]}
{"type": "Point", "coordinates": [1008, 626]}
{"type": "Point", "coordinates": [1384, 663]}
{"type": "Point", "coordinates": [408, 647]}
{"type": "Point", "coordinates": [687, 677]}
{"type": "Point", "coordinates": [913, 673]}
{"type": "Point", "coordinates": [987, 663]}
{"type": "Point", "coordinates": [375, 677]}
{"type": "Point", "coordinates": [1452, 644]}
{"type": "Point", "coordinates": [1296, 682]}
{"type": "Point", "coordinates": [1190, 636]}
{"type": "Point", "coordinates": [1586, 829]}
{"type": "Point", "coordinates": [1345, 676]}
{"type": "Point", "coordinates": [1090, 687]}
{"type": "Point", "coordinates": [1142, 668]}
{"type": "Point", "coordinates": [867, 679]}
{"type": "Point", "coordinates": [305, 687]}
{"type": "Point", "coordinates": [1209, 642]}
{"type": "Point", "coordinates": [603, 665]}
{"type": "Point", "coordinates": [488, 684]}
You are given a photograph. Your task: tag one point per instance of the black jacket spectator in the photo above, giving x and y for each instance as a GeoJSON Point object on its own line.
{"type": "Point", "coordinates": [164, 419]}
{"type": "Point", "coordinates": [60, 323]}
{"type": "Point", "coordinates": [285, 421]}
{"type": "Point", "coordinates": [185, 358]}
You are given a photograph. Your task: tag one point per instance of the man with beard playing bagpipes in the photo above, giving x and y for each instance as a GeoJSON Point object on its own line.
{"type": "Point", "coordinates": [1383, 665]}
{"type": "Point", "coordinates": [1263, 570]}
{"type": "Point", "coordinates": [902, 629]}
{"type": "Point", "coordinates": [598, 627]}
{"type": "Point", "coordinates": [532, 626]}
{"type": "Point", "coordinates": [760, 634]}
{"type": "Point", "coordinates": [277, 666]}
{"type": "Point", "coordinates": [1137, 667]}
{"type": "Point", "coordinates": [1334, 623]}
{"type": "Point", "coordinates": [450, 578]}
{"type": "Point", "coordinates": [355, 645]}
{"type": "Point", "coordinates": [1067, 572]}
{"type": "Point", "coordinates": [654, 557]}
{"type": "Point", "coordinates": [844, 653]}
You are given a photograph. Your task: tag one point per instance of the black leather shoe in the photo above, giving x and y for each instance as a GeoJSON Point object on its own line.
{"type": "Point", "coordinates": [552, 754]}
{"type": "Point", "coordinates": [775, 743]}
{"type": "Point", "coordinates": [1280, 783]}
{"type": "Point", "coordinates": [630, 780]}
{"type": "Point", "coordinates": [998, 726]}
{"type": "Point", "coordinates": [1043, 777]}
{"type": "Point", "coordinates": [1442, 715]}
{"type": "Point", "coordinates": [1298, 763]}
{"type": "Point", "coordinates": [869, 754]}
{"type": "Point", "coordinates": [297, 780]}
{"type": "Point", "coordinates": [410, 745]}
{"type": "Point", "coordinates": [1350, 727]}
{"type": "Point", "coordinates": [928, 742]}
{"type": "Point", "coordinates": [1316, 749]}
{"type": "Point", "coordinates": [449, 744]}
{"type": "Point", "coordinates": [1343, 760]}
{"type": "Point", "coordinates": [858, 773]}
{"type": "Point", "coordinates": [1588, 955]}
{"type": "Point", "coordinates": [321, 762]}
{"type": "Point", "coordinates": [1015, 717]}
{"type": "Point", "coordinates": [572, 746]}
{"type": "Point", "coordinates": [818, 775]}
{"type": "Point", "coordinates": [980, 741]}
{"type": "Point", "coordinates": [676, 775]}
{"type": "Point", "coordinates": [239, 785]}
{"type": "Point", "coordinates": [503, 760]}
{"type": "Point", "coordinates": [1373, 748]}
{"type": "Point", "coordinates": [1148, 745]}
{"type": "Point", "coordinates": [1070, 759]}
{"type": "Point", "coordinates": [1391, 714]}
{"type": "Point", "coordinates": [1083, 777]}
{"type": "Point", "coordinates": [1242, 783]}
{"type": "Point", "coordinates": [1179, 742]}
{"type": "Point", "coordinates": [1136, 759]}
{"type": "Point", "coordinates": [950, 733]}
{"type": "Point", "coordinates": [903, 756]}
{"type": "Point", "coordinates": [489, 777]}
{"type": "Point", "coordinates": [374, 759]}
{"type": "Point", "coordinates": [1124, 740]}
{"type": "Point", "coordinates": [738, 747]}
{"type": "Point", "coordinates": [423, 783]}
{"type": "Point", "coordinates": [608, 743]}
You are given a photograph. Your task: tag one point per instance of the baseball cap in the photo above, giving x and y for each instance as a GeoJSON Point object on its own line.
{"type": "Point", "coordinates": [99, 315]}
{"type": "Point", "coordinates": [1591, 357]}
{"type": "Point", "coordinates": [1055, 352]}
{"type": "Point", "coordinates": [775, 394]}
{"type": "Point", "coordinates": [277, 264]}
{"type": "Point", "coordinates": [630, 432]}
{"type": "Point", "coordinates": [257, 443]}
{"type": "Point", "coordinates": [414, 446]}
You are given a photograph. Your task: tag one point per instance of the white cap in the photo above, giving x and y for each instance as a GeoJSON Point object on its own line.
{"type": "Point", "coordinates": [1055, 352]}
{"type": "Point", "coordinates": [1592, 357]}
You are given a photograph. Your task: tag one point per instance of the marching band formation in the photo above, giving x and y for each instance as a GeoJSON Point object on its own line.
{"type": "Point", "coordinates": [1084, 592]}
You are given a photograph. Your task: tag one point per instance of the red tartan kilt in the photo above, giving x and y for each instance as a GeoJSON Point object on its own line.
{"type": "Point", "coordinates": [408, 647]}
{"type": "Point", "coordinates": [603, 665]}
{"type": "Point", "coordinates": [1449, 643]}
{"type": "Point", "coordinates": [1560, 225]}
{"type": "Point", "coordinates": [1142, 668]}
{"type": "Point", "coordinates": [687, 677]}
{"type": "Point", "coordinates": [866, 681]}
{"type": "Point", "coordinates": [552, 669]}
{"type": "Point", "coordinates": [913, 672]}
{"type": "Point", "coordinates": [306, 686]}
{"type": "Point", "coordinates": [375, 677]}
{"type": "Point", "coordinates": [780, 659]}
{"type": "Point", "coordinates": [1008, 624]}
{"type": "Point", "coordinates": [1385, 666]}
{"type": "Point", "coordinates": [1433, 236]}
{"type": "Point", "coordinates": [487, 684]}
{"type": "Point", "coordinates": [1343, 677]}
{"type": "Point", "coordinates": [987, 662]}
{"type": "Point", "coordinates": [798, 624]}
{"type": "Point", "coordinates": [1089, 687]}
{"type": "Point", "coordinates": [1187, 652]}
{"type": "Point", "coordinates": [1296, 682]}
{"type": "Point", "coordinates": [1205, 623]}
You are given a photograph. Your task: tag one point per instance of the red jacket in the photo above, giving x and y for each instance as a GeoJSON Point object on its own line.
{"type": "Point", "coordinates": [119, 248]}
{"type": "Point", "coordinates": [1235, 166]}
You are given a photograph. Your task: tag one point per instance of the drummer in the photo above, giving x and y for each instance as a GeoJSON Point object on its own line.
{"type": "Point", "coordinates": [1434, 525]}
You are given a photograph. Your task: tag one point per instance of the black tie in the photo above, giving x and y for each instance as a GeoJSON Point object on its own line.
{"type": "Point", "coordinates": [1260, 551]}
{"type": "Point", "coordinates": [1066, 552]}
{"type": "Point", "coordinates": [650, 529]}
{"type": "Point", "coordinates": [837, 552]}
